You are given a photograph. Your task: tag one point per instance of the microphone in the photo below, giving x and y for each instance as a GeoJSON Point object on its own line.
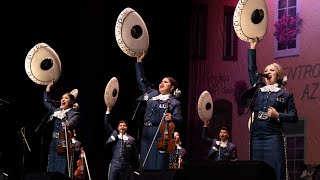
{"type": "Point", "coordinates": [52, 101]}
{"type": "Point", "coordinates": [146, 82]}
{"type": "Point", "coordinates": [262, 75]}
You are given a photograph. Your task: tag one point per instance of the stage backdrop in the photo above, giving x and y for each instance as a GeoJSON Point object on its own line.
{"type": "Point", "coordinates": [218, 64]}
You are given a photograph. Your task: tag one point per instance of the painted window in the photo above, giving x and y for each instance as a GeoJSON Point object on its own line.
{"type": "Point", "coordinates": [295, 156]}
{"type": "Point", "coordinates": [295, 137]}
{"type": "Point", "coordinates": [230, 39]}
{"type": "Point", "coordinates": [286, 8]}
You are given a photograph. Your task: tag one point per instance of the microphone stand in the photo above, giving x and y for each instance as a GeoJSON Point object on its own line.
{"type": "Point", "coordinates": [251, 116]}
{"type": "Point", "coordinates": [219, 157]}
{"type": "Point", "coordinates": [121, 148]}
{"type": "Point", "coordinates": [24, 143]}
{"type": "Point", "coordinates": [135, 111]}
{"type": "Point", "coordinates": [41, 149]}
{"type": "Point", "coordinates": [67, 144]}
{"type": "Point", "coordinates": [138, 121]}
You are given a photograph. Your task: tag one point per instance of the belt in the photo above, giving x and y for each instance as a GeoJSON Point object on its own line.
{"type": "Point", "coordinates": [55, 135]}
{"type": "Point", "coordinates": [149, 124]}
{"type": "Point", "coordinates": [262, 116]}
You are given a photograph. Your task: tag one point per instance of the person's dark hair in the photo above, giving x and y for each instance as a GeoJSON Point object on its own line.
{"type": "Point", "coordinates": [72, 98]}
{"type": "Point", "coordinates": [173, 83]}
{"type": "Point", "coordinates": [225, 128]}
{"type": "Point", "coordinates": [122, 121]}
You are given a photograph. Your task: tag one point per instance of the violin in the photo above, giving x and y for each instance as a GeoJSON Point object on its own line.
{"type": "Point", "coordinates": [65, 145]}
{"type": "Point", "coordinates": [167, 143]}
{"type": "Point", "coordinates": [82, 163]}
{"type": "Point", "coordinates": [80, 173]}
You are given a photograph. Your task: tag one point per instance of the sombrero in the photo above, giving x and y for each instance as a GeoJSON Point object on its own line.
{"type": "Point", "coordinates": [250, 19]}
{"type": "Point", "coordinates": [131, 33]}
{"type": "Point", "coordinates": [205, 106]}
{"type": "Point", "coordinates": [75, 93]}
{"type": "Point", "coordinates": [42, 64]}
{"type": "Point", "coordinates": [111, 92]}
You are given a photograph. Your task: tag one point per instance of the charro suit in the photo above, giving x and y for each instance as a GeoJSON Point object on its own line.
{"type": "Point", "coordinates": [268, 140]}
{"type": "Point", "coordinates": [124, 157]}
{"type": "Point", "coordinates": [154, 111]}
{"type": "Point", "coordinates": [218, 152]}
{"type": "Point", "coordinates": [58, 162]}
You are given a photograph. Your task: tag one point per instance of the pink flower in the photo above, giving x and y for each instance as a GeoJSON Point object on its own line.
{"type": "Point", "coordinates": [287, 28]}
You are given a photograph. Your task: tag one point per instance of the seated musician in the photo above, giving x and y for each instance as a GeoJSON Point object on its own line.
{"type": "Point", "coordinates": [179, 154]}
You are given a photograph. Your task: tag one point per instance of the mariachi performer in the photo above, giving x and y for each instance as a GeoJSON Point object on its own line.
{"type": "Point", "coordinates": [65, 119]}
{"type": "Point", "coordinates": [271, 105]}
{"type": "Point", "coordinates": [119, 143]}
{"type": "Point", "coordinates": [163, 110]}
{"type": "Point", "coordinates": [179, 155]}
{"type": "Point", "coordinates": [162, 106]}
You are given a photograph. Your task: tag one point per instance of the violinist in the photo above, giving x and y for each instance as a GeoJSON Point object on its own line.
{"type": "Point", "coordinates": [123, 148]}
{"type": "Point", "coordinates": [77, 149]}
{"type": "Point", "coordinates": [179, 154]}
{"type": "Point", "coordinates": [65, 119]}
{"type": "Point", "coordinates": [161, 107]}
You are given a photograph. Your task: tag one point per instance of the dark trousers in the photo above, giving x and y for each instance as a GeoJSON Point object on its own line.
{"type": "Point", "coordinates": [118, 171]}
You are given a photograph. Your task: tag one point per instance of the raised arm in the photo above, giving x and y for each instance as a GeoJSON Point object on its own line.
{"type": "Point", "coordinates": [252, 66]}
{"type": "Point", "coordinates": [107, 125]}
{"type": "Point", "coordinates": [140, 77]}
{"type": "Point", "coordinates": [46, 98]}
{"type": "Point", "coordinates": [204, 133]}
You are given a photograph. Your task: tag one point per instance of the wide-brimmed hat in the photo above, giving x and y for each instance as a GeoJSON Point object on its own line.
{"type": "Point", "coordinates": [111, 92]}
{"type": "Point", "coordinates": [131, 33]}
{"type": "Point", "coordinates": [42, 64]}
{"type": "Point", "coordinates": [74, 92]}
{"type": "Point", "coordinates": [250, 20]}
{"type": "Point", "coordinates": [205, 106]}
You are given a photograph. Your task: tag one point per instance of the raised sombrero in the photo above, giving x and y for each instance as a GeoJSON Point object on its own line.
{"type": "Point", "coordinates": [205, 106]}
{"type": "Point", "coordinates": [111, 92]}
{"type": "Point", "coordinates": [131, 33]}
{"type": "Point", "coordinates": [42, 64]}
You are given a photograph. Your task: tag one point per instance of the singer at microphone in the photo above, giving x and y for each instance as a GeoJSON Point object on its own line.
{"type": "Point", "coordinates": [262, 75]}
{"type": "Point", "coordinates": [221, 149]}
